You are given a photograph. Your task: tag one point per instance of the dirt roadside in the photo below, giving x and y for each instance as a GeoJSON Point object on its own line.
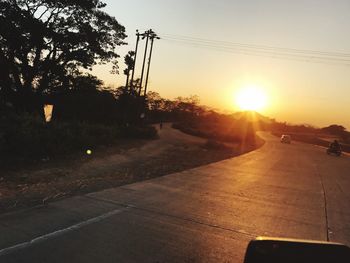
{"type": "Point", "coordinates": [128, 162]}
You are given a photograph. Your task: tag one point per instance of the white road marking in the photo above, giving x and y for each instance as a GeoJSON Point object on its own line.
{"type": "Point", "coordinates": [42, 238]}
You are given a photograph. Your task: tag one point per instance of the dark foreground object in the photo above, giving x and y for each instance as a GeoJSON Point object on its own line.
{"type": "Point", "coordinates": [274, 250]}
{"type": "Point", "coordinates": [336, 151]}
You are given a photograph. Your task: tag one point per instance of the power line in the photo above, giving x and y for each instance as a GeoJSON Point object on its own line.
{"type": "Point", "coordinates": [228, 43]}
{"type": "Point", "coordinates": [255, 49]}
{"type": "Point", "coordinates": [266, 54]}
{"type": "Point", "coordinates": [304, 55]}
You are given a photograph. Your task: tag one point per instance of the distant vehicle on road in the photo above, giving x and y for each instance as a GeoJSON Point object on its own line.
{"type": "Point", "coordinates": [334, 148]}
{"type": "Point", "coordinates": [286, 138]}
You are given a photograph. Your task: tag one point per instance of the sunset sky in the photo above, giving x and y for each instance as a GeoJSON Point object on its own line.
{"type": "Point", "coordinates": [307, 90]}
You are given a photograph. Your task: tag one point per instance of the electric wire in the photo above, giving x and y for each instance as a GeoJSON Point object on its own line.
{"type": "Point", "coordinates": [315, 56]}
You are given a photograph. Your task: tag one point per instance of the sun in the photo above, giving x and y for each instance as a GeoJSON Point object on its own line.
{"type": "Point", "coordinates": [251, 98]}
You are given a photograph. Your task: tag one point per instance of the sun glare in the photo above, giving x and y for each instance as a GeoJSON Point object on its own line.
{"type": "Point", "coordinates": [251, 98]}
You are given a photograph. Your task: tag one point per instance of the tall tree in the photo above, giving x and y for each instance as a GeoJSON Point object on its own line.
{"type": "Point", "coordinates": [46, 43]}
{"type": "Point", "coordinates": [154, 101]}
{"type": "Point", "coordinates": [129, 61]}
{"type": "Point", "coordinates": [334, 129]}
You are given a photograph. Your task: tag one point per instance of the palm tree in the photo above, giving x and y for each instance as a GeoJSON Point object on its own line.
{"type": "Point", "coordinates": [129, 62]}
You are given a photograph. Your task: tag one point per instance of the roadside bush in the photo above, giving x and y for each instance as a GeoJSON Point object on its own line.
{"type": "Point", "coordinates": [28, 137]}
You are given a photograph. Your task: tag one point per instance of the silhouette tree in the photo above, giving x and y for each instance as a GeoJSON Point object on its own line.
{"type": "Point", "coordinates": [334, 129]}
{"type": "Point", "coordinates": [154, 101]}
{"type": "Point", "coordinates": [338, 130]}
{"type": "Point", "coordinates": [44, 43]}
{"type": "Point", "coordinates": [188, 105]}
{"type": "Point", "coordinates": [86, 82]}
{"type": "Point", "coordinates": [129, 62]}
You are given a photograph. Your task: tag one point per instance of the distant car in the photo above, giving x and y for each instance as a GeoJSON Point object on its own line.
{"type": "Point", "coordinates": [286, 139]}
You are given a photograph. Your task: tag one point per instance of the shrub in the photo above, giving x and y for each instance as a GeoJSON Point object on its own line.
{"type": "Point", "coordinates": [28, 137]}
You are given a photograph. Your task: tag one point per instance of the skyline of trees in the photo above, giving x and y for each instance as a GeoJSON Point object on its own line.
{"type": "Point", "coordinates": [46, 46]}
{"type": "Point", "coordinates": [47, 51]}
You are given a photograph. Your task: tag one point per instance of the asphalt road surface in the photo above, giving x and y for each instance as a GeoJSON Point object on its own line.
{"type": "Point", "coordinates": [207, 214]}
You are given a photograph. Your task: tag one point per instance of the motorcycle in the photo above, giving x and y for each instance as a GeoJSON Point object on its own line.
{"type": "Point", "coordinates": [334, 150]}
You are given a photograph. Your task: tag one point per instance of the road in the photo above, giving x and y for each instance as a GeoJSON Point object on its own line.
{"type": "Point", "coordinates": [207, 214]}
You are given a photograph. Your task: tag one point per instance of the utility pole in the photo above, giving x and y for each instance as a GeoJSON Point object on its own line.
{"type": "Point", "coordinates": [149, 35]}
{"type": "Point", "coordinates": [152, 37]}
{"type": "Point", "coordinates": [144, 35]}
{"type": "Point", "coordinates": [136, 48]}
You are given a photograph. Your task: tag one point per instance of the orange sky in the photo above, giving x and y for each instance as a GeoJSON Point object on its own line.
{"type": "Point", "coordinates": [298, 91]}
